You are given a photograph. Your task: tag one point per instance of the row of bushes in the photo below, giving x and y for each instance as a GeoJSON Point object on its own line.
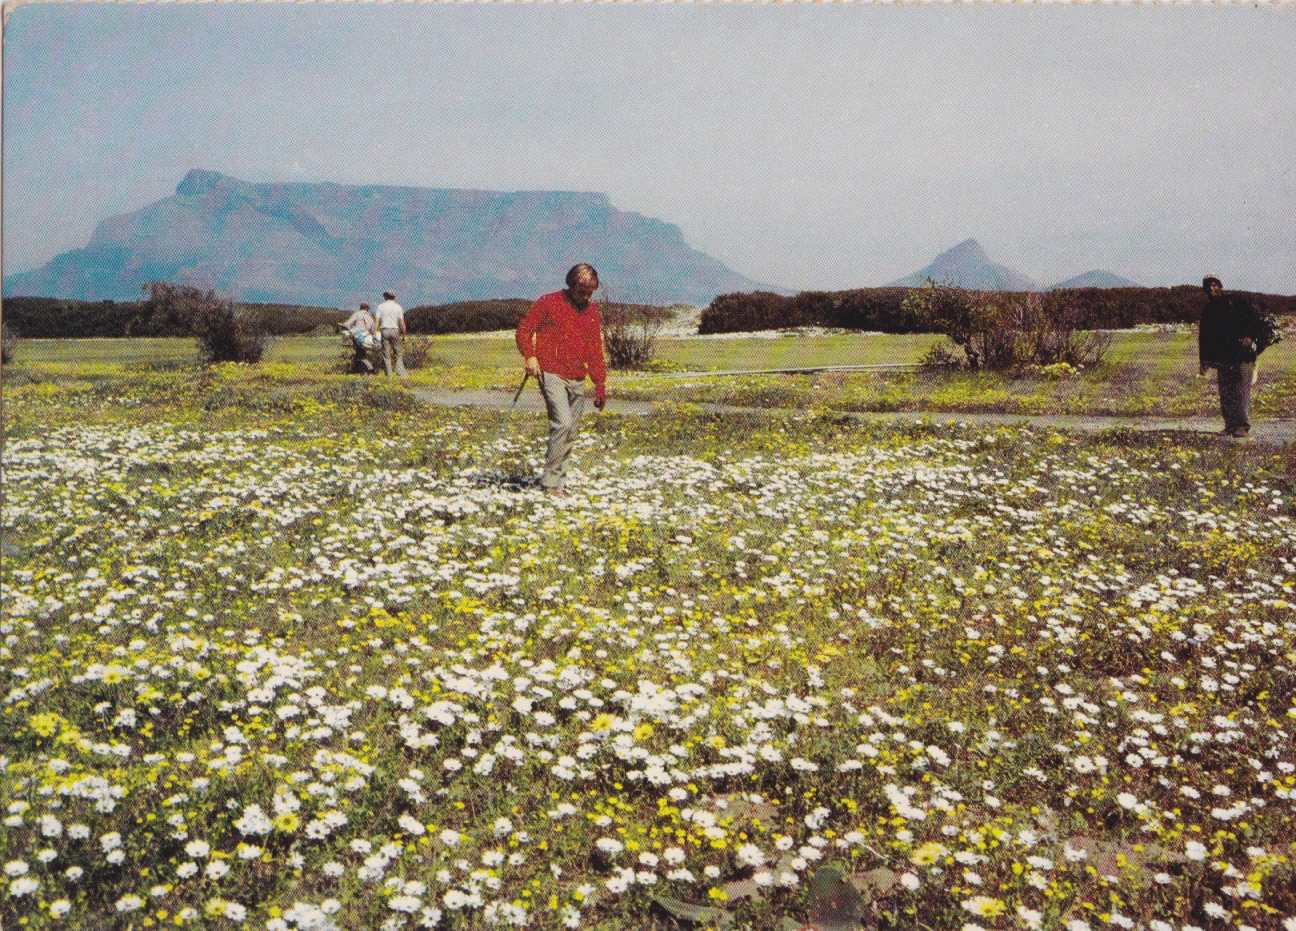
{"type": "Point", "coordinates": [57, 318]}
{"type": "Point", "coordinates": [466, 316]}
{"type": "Point", "coordinates": [501, 314]}
{"type": "Point", "coordinates": [884, 309]}
{"type": "Point", "coordinates": [861, 309]}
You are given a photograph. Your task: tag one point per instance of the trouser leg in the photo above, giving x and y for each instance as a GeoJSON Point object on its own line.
{"type": "Point", "coordinates": [1235, 395]}
{"type": "Point", "coordinates": [388, 345]}
{"type": "Point", "coordinates": [564, 400]}
{"type": "Point", "coordinates": [1243, 409]}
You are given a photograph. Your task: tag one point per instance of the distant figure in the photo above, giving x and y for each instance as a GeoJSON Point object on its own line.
{"type": "Point", "coordinates": [1228, 341]}
{"type": "Point", "coordinates": [391, 320]}
{"type": "Point", "coordinates": [561, 339]}
{"type": "Point", "coordinates": [363, 330]}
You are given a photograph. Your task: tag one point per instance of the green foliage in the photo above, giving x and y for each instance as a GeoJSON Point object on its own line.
{"type": "Point", "coordinates": [939, 356]}
{"type": "Point", "coordinates": [630, 334]}
{"type": "Point", "coordinates": [884, 309]}
{"type": "Point", "coordinates": [467, 316]}
{"type": "Point", "coordinates": [1001, 330]}
{"type": "Point", "coordinates": [877, 309]}
{"type": "Point", "coordinates": [224, 333]}
{"type": "Point", "coordinates": [417, 352]}
{"type": "Point", "coordinates": [57, 318]}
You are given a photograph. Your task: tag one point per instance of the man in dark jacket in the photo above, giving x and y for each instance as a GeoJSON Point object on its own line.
{"type": "Point", "coordinates": [1227, 342]}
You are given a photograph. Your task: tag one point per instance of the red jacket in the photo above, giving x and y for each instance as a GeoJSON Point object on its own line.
{"type": "Point", "coordinates": [567, 341]}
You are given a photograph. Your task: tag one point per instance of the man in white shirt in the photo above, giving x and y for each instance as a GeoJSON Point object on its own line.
{"type": "Point", "coordinates": [391, 320]}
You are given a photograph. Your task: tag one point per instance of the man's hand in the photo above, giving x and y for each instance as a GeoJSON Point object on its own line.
{"type": "Point", "coordinates": [533, 366]}
{"type": "Point", "coordinates": [600, 397]}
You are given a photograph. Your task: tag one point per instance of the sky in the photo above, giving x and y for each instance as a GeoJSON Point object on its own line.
{"type": "Point", "coordinates": [805, 146]}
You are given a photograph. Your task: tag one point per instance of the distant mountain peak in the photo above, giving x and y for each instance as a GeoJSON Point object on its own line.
{"type": "Point", "coordinates": [338, 244]}
{"type": "Point", "coordinates": [1096, 278]}
{"type": "Point", "coordinates": [968, 250]}
{"type": "Point", "coordinates": [966, 265]}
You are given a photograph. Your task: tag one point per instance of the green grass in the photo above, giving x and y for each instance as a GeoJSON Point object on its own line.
{"type": "Point", "coordinates": [1145, 373]}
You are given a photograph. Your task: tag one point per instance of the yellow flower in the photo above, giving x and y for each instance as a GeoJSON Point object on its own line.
{"type": "Point", "coordinates": [984, 906]}
{"type": "Point", "coordinates": [45, 724]}
{"type": "Point", "coordinates": [287, 822]}
{"type": "Point", "coordinates": [928, 853]}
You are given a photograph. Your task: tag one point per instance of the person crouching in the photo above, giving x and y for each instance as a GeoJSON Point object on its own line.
{"type": "Point", "coordinates": [561, 339]}
{"type": "Point", "coordinates": [362, 330]}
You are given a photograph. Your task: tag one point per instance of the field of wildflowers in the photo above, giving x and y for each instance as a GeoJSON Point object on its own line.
{"type": "Point", "coordinates": [310, 658]}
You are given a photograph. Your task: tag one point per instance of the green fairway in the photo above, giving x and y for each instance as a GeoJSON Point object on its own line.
{"type": "Point", "coordinates": [1144, 372]}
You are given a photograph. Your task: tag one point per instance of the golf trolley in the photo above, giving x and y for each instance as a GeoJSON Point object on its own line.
{"type": "Point", "coordinates": [365, 346]}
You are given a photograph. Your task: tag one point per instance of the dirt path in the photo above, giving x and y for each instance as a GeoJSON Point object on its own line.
{"type": "Point", "coordinates": [1268, 432]}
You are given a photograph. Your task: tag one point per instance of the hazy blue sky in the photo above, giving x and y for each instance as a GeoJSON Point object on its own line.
{"type": "Point", "coordinates": [806, 146]}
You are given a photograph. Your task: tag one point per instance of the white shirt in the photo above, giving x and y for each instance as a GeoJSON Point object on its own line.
{"type": "Point", "coordinates": [390, 314]}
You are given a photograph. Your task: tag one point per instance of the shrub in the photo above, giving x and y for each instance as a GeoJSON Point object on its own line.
{"type": "Point", "coordinates": [1007, 330]}
{"type": "Point", "coordinates": [417, 352]}
{"type": "Point", "coordinates": [629, 335]}
{"type": "Point", "coordinates": [224, 334]}
{"type": "Point", "coordinates": [1051, 329]}
{"type": "Point", "coordinates": [8, 342]}
{"type": "Point", "coordinates": [939, 356]}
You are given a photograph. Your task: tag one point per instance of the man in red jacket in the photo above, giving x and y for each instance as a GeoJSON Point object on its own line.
{"type": "Point", "coordinates": [561, 339]}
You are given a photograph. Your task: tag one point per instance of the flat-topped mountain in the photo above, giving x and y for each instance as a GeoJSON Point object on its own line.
{"type": "Point", "coordinates": [337, 244]}
{"type": "Point", "coordinates": [967, 266]}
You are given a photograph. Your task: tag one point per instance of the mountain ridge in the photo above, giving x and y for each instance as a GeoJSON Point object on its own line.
{"type": "Point", "coordinates": [966, 265]}
{"type": "Point", "coordinates": [331, 243]}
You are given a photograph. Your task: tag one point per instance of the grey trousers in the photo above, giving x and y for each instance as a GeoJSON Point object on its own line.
{"type": "Point", "coordinates": [564, 399]}
{"type": "Point", "coordinates": [391, 342]}
{"type": "Point", "coordinates": [1235, 394]}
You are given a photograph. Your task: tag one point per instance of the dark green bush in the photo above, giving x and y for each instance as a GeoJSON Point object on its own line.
{"type": "Point", "coordinates": [1005, 330]}
{"type": "Point", "coordinates": [630, 334]}
{"type": "Point", "coordinates": [225, 333]}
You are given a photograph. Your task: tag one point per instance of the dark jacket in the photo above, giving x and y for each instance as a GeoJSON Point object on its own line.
{"type": "Point", "coordinates": [1225, 321]}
